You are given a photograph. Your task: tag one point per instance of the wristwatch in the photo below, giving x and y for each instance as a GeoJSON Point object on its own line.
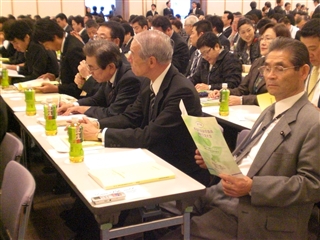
{"type": "Point", "coordinates": [99, 136]}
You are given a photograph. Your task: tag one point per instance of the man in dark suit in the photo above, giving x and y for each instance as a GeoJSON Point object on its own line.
{"type": "Point", "coordinates": [108, 31]}
{"type": "Point", "coordinates": [317, 7]}
{"type": "Point", "coordinates": [280, 166]}
{"type": "Point", "coordinates": [217, 28]}
{"type": "Point", "coordinates": [119, 86]}
{"type": "Point", "coordinates": [254, 10]}
{"type": "Point", "coordinates": [195, 10]}
{"type": "Point", "coordinates": [180, 56]}
{"type": "Point", "coordinates": [268, 10]}
{"type": "Point", "coordinates": [154, 120]}
{"type": "Point", "coordinates": [310, 36]}
{"type": "Point", "coordinates": [62, 20]}
{"type": "Point", "coordinates": [128, 37]}
{"type": "Point", "coordinates": [153, 11]}
{"type": "Point", "coordinates": [38, 61]}
{"type": "Point", "coordinates": [227, 19]}
{"type": "Point", "coordinates": [52, 37]}
{"type": "Point", "coordinates": [79, 29]}
{"type": "Point", "coordinates": [278, 8]}
{"type": "Point", "coordinates": [168, 11]}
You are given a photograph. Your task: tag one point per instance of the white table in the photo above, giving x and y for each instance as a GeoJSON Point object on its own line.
{"type": "Point", "coordinates": [182, 188]}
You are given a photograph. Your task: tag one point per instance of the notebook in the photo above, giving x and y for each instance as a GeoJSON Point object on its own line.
{"type": "Point", "coordinates": [139, 173]}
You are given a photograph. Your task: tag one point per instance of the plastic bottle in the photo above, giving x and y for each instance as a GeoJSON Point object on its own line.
{"type": "Point", "coordinates": [75, 133]}
{"type": "Point", "coordinates": [5, 78]}
{"type": "Point", "coordinates": [50, 115]}
{"type": "Point", "coordinates": [224, 100]}
{"type": "Point", "coordinates": [29, 94]}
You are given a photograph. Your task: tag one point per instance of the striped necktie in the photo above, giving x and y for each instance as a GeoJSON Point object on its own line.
{"type": "Point", "coordinates": [152, 100]}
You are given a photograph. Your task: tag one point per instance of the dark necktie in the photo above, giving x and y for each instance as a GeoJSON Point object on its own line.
{"type": "Point", "coordinates": [256, 135]}
{"type": "Point", "coordinates": [194, 64]}
{"type": "Point", "coordinates": [110, 94]}
{"type": "Point", "coordinates": [152, 99]}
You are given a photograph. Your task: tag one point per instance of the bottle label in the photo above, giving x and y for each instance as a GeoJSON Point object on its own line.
{"type": "Point", "coordinates": [5, 78]}
{"type": "Point", "coordinates": [75, 134]}
{"type": "Point", "coordinates": [50, 111]}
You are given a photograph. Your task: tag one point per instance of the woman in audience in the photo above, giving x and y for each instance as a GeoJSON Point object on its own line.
{"type": "Point", "coordinates": [247, 49]}
{"type": "Point", "coordinates": [253, 83]}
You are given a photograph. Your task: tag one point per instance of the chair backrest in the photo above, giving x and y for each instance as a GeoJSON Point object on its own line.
{"type": "Point", "coordinates": [18, 189]}
{"type": "Point", "coordinates": [10, 149]}
{"type": "Point", "coordinates": [241, 136]}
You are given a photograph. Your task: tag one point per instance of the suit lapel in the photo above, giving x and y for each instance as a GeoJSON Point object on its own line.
{"type": "Point", "coordinates": [276, 136]}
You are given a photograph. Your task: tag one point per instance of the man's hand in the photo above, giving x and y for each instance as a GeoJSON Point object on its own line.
{"type": "Point", "coordinates": [47, 88]}
{"type": "Point", "coordinates": [90, 129]}
{"type": "Point", "coordinates": [63, 107]}
{"type": "Point", "coordinates": [83, 69]}
{"type": "Point", "coordinates": [11, 67]}
{"type": "Point", "coordinates": [76, 109]}
{"type": "Point", "coordinates": [236, 186]}
{"type": "Point", "coordinates": [214, 94]}
{"type": "Point", "coordinates": [234, 100]}
{"type": "Point", "coordinates": [199, 160]}
{"type": "Point", "coordinates": [202, 86]}
{"type": "Point", "coordinates": [79, 81]}
{"type": "Point", "coordinates": [50, 76]}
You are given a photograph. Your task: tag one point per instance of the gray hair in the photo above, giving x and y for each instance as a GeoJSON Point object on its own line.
{"type": "Point", "coordinates": [191, 20]}
{"type": "Point", "coordinates": [155, 43]}
{"type": "Point", "coordinates": [106, 52]}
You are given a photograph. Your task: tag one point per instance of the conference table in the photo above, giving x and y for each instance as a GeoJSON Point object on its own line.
{"type": "Point", "coordinates": [183, 190]}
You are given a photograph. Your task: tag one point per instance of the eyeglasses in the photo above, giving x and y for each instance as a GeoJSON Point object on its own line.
{"type": "Point", "coordinates": [91, 69]}
{"type": "Point", "coordinates": [206, 52]}
{"type": "Point", "coordinates": [265, 70]}
{"type": "Point", "coordinates": [101, 37]}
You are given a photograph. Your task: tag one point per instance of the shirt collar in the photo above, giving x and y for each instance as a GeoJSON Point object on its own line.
{"type": "Point", "coordinates": [113, 77]}
{"type": "Point", "coordinates": [157, 83]}
{"type": "Point", "coordinates": [286, 103]}
{"type": "Point", "coordinates": [63, 41]}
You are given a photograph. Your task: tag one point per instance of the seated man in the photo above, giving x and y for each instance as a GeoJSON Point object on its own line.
{"type": "Point", "coordinates": [279, 160]}
{"type": "Point", "coordinates": [217, 66]}
{"type": "Point", "coordinates": [180, 57]}
{"type": "Point", "coordinates": [38, 61]}
{"type": "Point", "coordinates": [154, 120]}
{"type": "Point", "coordinates": [79, 29]}
{"type": "Point", "coordinates": [108, 31]}
{"type": "Point", "coordinates": [119, 87]}
{"type": "Point", "coordinates": [52, 37]}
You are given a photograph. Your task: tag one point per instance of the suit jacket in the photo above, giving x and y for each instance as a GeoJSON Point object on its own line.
{"type": "Point", "coordinates": [38, 61]}
{"type": "Point", "coordinates": [91, 86]}
{"type": "Point", "coordinates": [84, 35]}
{"type": "Point", "coordinates": [149, 13]}
{"type": "Point", "coordinates": [180, 57]}
{"type": "Point", "coordinates": [256, 12]}
{"type": "Point", "coordinates": [270, 13]}
{"type": "Point", "coordinates": [279, 9]}
{"type": "Point", "coordinates": [106, 103]}
{"type": "Point", "coordinates": [71, 56]}
{"type": "Point", "coordinates": [227, 31]}
{"type": "Point", "coordinates": [126, 47]}
{"type": "Point", "coordinates": [286, 177]}
{"type": "Point", "coordinates": [316, 10]}
{"type": "Point", "coordinates": [198, 12]}
{"type": "Point", "coordinates": [3, 120]}
{"type": "Point", "coordinates": [165, 134]}
{"type": "Point", "coordinates": [68, 29]}
{"type": "Point", "coordinates": [286, 182]}
{"type": "Point", "coordinates": [167, 11]}
{"type": "Point", "coordinates": [224, 42]}
{"type": "Point", "coordinates": [247, 88]}
{"type": "Point", "coordinates": [227, 69]}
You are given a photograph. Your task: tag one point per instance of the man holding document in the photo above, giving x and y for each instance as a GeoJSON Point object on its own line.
{"type": "Point", "coordinates": [279, 160]}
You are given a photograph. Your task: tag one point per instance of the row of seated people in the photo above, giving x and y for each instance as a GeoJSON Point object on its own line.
{"type": "Point", "coordinates": [141, 125]}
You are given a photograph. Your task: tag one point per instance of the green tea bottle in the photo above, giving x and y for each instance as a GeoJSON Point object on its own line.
{"type": "Point", "coordinates": [29, 94]}
{"type": "Point", "coordinates": [75, 133]}
{"type": "Point", "coordinates": [224, 100]}
{"type": "Point", "coordinates": [50, 116]}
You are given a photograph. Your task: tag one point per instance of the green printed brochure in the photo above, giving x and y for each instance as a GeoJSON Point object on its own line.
{"type": "Point", "coordinates": [207, 135]}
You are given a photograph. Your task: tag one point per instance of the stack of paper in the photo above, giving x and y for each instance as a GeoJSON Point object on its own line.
{"type": "Point", "coordinates": [133, 174]}
{"type": "Point", "coordinates": [33, 83]}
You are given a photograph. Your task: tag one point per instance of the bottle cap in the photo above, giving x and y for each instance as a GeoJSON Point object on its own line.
{"type": "Point", "coordinates": [224, 85]}
{"type": "Point", "coordinates": [29, 86]}
{"type": "Point", "coordinates": [49, 99]}
{"type": "Point", "coordinates": [74, 119]}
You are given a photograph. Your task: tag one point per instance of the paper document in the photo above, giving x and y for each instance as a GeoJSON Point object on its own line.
{"type": "Point", "coordinates": [265, 100]}
{"type": "Point", "coordinates": [33, 83]}
{"type": "Point", "coordinates": [13, 73]}
{"type": "Point", "coordinates": [207, 135]}
{"type": "Point", "coordinates": [133, 174]}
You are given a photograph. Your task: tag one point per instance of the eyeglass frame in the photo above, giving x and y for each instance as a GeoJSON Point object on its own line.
{"type": "Point", "coordinates": [97, 37]}
{"type": "Point", "coordinates": [206, 52]}
{"type": "Point", "coordinates": [278, 71]}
